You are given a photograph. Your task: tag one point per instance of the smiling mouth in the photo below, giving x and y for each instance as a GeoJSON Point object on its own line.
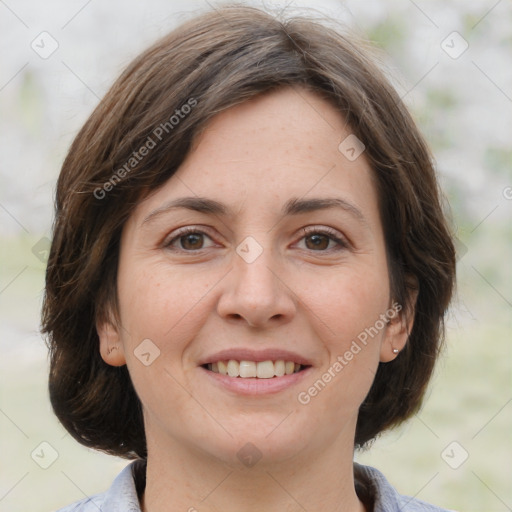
{"type": "Point", "coordinates": [252, 369]}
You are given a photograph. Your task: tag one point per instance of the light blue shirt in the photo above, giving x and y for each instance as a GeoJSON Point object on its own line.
{"type": "Point", "coordinates": [122, 495]}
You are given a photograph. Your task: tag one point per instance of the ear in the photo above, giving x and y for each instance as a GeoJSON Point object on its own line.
{"type": "Point", "coordinates": [400, 321]}
{"type": "Point", "coordinates": [111, 347]}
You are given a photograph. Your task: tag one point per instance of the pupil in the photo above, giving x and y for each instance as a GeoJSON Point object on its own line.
{"type": "Point", "coordinates": [319, 241]}
{"type": "Point", "coordinates": [191, 241]}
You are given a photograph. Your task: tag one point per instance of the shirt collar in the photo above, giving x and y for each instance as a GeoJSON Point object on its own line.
{"type": "Point", "coordinates": [122, 495]}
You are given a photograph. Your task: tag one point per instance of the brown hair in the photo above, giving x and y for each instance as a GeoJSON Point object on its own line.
{"type": "Point", "coordinates": [210, 63]}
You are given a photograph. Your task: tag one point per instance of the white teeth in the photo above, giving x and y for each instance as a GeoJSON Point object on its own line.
{"type": "Point", "coordinates": [233, 368]}
{"type": "Point", "coordinates": [251, 369]}
{"type": "Point", "coordinates": [265, 369]}
{"type": "Point", "coordinates": [248, 369]}
{"type": "Point", "coordinates": [279, 368]}
{"type": "Point", "coordinates": [223, 368]}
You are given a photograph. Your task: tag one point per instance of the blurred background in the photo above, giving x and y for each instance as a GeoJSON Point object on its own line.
{"type": "Point", "coordinates": [450, 61]}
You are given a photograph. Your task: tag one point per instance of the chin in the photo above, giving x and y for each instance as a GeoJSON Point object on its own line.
{"type": "Point", "coordinates": [260, 444]}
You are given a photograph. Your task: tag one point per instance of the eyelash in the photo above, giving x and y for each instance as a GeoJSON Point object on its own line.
{"type": "Point", "coordinates": [330, 233]}
{"type": "Point", "coordinates": [308, 231]}
{"type": "Point", "coordinates": [189, 230]}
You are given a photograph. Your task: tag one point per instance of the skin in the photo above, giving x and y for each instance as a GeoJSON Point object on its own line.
{"type": "Point", "coordinates": [195, 295]}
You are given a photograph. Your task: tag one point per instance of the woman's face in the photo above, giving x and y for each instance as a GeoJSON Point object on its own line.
{"type": "Point", "coordinates": [265, 248]}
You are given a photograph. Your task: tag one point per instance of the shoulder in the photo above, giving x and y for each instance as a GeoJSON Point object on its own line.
{"type": "Point", "coordinates": [385, 496]}
{"type": "Point", "coordinates": [94, 503]}
{"type": "Point", "coordinates": [122, 495]}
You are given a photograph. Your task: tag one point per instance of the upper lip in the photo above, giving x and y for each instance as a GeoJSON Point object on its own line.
{"type": "Point", "coordinates": [245, 354]}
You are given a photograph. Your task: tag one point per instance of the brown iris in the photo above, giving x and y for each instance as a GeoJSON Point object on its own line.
{"type": "Point", "coordinates": [192, 241]}
{"type": "Point", "coordinates": [318, 241]}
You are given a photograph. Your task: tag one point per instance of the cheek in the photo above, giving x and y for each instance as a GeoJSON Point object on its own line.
{"type": "Point", "coordinates": [347, 303]}
{"type": "Point", "coordinates": [166, 308]}
{"type": "Point", "coordinates": [347, 319]}
{"type": "Point", "coordinates": [164, 305]}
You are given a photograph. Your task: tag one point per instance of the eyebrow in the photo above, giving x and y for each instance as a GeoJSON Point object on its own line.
{"type": "Point", "coordinates": [197, 204]}
{"type": "Point", "coordinates": [298, 206]}
{"type": "Point", "coordinates": [294, 206]}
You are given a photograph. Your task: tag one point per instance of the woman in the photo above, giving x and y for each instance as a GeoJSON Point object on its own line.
{"type": "Point", "coordinates": [249, 272]}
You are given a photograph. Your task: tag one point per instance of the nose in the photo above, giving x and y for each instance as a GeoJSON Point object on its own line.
{"type": "Point", "coordinates": [256, 294]}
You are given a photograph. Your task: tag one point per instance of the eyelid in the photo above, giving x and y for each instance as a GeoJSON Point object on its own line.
{"type": "Point", "coordinates": [185, 230]}
{"type": "Point", "coordinates": [332, 233]}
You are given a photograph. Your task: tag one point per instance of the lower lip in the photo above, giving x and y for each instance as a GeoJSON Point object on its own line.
{"type": "Point", "coordinates": [255, 386]}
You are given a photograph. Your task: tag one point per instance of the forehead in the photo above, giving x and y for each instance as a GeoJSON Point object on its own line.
{"type": "Point", "coordinates": [278, 145]}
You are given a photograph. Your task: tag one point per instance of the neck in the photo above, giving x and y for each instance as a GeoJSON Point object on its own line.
{"type": "Point", "coordinates": [189, 481]}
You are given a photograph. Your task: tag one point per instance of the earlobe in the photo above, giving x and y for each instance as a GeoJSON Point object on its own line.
{"type": "Point", "coordinates": [111, 347]}
{"type": "Point", "coordinates": [398, 328]}
{"type": "Point", "coordinates": [394, 341]}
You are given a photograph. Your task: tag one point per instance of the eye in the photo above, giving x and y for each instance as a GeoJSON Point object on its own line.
{"type": "Point", "coordinates": [323, 240]}
{"type": "Point", "coordinates": [189, 239]}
